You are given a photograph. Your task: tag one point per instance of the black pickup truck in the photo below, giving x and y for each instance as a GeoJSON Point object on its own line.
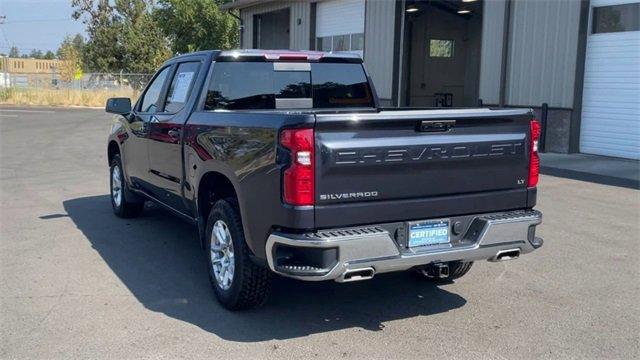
{"type": "Point", "coordinates": [287, 164]}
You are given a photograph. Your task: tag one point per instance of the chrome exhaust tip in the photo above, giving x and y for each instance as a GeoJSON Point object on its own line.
{"type": "Point", "coordinates": [357, 275]}
{"type": "Point", "coordinates": [504, 255]}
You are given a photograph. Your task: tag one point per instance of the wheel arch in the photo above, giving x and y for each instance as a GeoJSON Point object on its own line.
{"type": "Point", "coordinates": [112, 150]}
{"type": "Point", "coordinates": [213, 186]}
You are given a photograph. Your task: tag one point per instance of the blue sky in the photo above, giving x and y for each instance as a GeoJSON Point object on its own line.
{"type": "Point", "coordinates": [39, 24]}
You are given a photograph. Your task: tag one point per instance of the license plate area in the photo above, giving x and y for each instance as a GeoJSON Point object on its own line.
{"type": "Point", "coordinates": [428, 233]}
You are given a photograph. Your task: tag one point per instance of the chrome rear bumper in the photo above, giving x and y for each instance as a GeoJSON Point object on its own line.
{"type": "Point", "coordinates": [365, 251]}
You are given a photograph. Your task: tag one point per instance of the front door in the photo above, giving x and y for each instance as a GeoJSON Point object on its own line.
{"type": "Point", "coordinates": [135, 150]}
{"type": "Point", "coordinates": [165, 138]}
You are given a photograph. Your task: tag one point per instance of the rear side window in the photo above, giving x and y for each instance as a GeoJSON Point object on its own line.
{"type": "Point", "coordinates": [181, 86]}
{"type": "Point", "coordinates": [256, 85]}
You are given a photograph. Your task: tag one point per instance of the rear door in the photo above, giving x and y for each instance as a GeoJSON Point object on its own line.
{"type": "Point", "coordinates": [165, 136]}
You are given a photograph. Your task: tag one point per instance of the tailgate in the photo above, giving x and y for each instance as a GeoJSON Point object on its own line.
{"type": "Point", "coordinates": [420, 154]}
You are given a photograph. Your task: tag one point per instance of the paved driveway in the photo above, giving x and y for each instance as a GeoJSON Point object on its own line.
{"type": "Point", "coordinates": [75, 281]}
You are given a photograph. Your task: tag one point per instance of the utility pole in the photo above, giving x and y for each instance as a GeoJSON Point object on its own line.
{"type": "Point", "coordinates": [4, 67]}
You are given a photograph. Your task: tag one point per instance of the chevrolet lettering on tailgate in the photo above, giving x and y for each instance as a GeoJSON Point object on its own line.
{"type": "Point", "coordinates": [426, 153]}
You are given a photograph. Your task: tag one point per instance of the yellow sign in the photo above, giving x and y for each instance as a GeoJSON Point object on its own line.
{"type": "Point", "coordinates": [78, 74]}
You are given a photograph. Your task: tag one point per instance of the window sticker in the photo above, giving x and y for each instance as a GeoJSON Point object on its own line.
{"type": "Point", "coordinates": [181, 89]}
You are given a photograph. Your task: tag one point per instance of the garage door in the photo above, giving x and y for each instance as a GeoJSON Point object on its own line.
{"type": "Point", "coordinates": [340, 26]}
{"type": "Point", "coordinates": [611, 98]}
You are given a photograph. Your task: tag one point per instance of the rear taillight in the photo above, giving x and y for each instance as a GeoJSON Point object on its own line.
{"type": "Point", "coordinates": [534, 158]}
{"type": "Point", "coordinates": [298, 178]}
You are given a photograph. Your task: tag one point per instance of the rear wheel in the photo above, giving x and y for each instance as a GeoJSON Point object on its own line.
{"type": "Point", "coordinates": [454, 270]}
{"type": "Point", "coordinates": [122, 205]}
{"type": "Point", "coordinates": [237, 282]}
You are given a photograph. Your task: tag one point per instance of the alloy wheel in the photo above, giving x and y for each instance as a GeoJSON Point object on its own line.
{"type": "Point", "coordinates": [116, 186]}
{"type": "Point", "coordinates": [222, 258]}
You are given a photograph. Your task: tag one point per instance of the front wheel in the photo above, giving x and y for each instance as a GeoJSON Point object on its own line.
{"type": "Point", "coordinates": [122, 206]}
{"type": "Point", "coordinates": [237, 282]}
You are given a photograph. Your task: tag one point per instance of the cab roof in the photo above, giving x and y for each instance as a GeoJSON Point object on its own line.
{"type": "Point", "coordinates": [291, 55]}
{"type": "Point", "coordinates": [274, 55]}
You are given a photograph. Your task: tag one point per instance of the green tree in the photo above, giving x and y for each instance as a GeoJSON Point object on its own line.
{"type": "Point", "coordinates": [49, 55]}
{"type": "Point", "coordinates": [194, 25]}
{"type": "Point", "coordinates": [72, 59]}
{"type": "Point", "coordinates": [36, 54]}
{"type": "Point", "coordinates": [122, 36]}
{"type": "Point", "coordinates": [14, 52]}
{"type": "Point", "coordinates": [77, 42]}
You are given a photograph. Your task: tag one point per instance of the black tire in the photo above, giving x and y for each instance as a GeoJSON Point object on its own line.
{"type": "Point", "coordinates": [127, 207]}
{"type": "Point", "coordinates": [250, 283]}
{"type": "Point", "coordinates": [457, 269]}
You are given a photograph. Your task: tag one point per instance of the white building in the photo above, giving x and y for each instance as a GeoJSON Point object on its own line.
{"type": "Point", "coordinates": [582, 58]}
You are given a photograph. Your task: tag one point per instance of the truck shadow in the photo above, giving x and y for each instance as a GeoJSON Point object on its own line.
{"type": "Point", "coordinates": [158, 258]}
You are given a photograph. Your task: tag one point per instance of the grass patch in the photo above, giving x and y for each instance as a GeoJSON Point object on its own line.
{"type": "Point", "coordinates": [62, 97]}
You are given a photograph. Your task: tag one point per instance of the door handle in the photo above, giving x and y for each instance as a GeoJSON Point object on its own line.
{"type": "Point", "coordinates": [174, 133]}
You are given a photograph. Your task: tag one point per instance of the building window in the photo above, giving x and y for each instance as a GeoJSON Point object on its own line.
{"type": "Point", "coordinates": [616, 18]}
{"type": "Point", "coordinates": [440, 48]}
{"type": "Point", "coordinates": [345, 42]}
{"type": "Point", "coordinates": [357, 41]}
{"type": "Point", "coordinates": [324, 43]}
{"type": "Point", "coordinates": [341, 43]}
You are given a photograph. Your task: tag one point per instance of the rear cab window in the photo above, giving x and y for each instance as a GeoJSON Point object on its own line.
{"type": "Point", "coordinates": [265, 85]}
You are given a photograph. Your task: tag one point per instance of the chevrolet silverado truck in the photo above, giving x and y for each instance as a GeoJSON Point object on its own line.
{"type": "Point", "coordinates": [287, 164]}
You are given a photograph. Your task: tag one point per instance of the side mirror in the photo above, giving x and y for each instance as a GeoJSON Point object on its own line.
{"type": "Point", "coordinates": [121, 106]}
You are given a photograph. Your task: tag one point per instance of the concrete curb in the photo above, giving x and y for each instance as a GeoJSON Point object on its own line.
{"type": "Point", "coordinates": [595, 178]}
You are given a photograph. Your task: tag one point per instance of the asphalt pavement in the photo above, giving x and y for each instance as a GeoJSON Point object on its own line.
{"type": "Point", "coordinates": [77, 282]}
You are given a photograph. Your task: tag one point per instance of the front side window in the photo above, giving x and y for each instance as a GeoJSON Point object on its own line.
{"type": "Point", "coordinates": [181, 86]}
{"type": "Point", "coordinates": [256, 85]}
{"type": "Point", "coordinates": [151, 96]}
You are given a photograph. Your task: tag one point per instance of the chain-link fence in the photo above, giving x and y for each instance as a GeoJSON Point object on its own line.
{"type": "Point", "coordinates": [89, 81]}
{"type": "Point", "coordinates": [90, 89]}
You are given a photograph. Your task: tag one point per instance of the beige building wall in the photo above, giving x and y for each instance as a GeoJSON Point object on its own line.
{"type": "Point", "coordinates": [28, 66]}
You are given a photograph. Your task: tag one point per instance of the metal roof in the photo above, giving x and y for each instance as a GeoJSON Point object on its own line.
{"type": "Point", "coordinates": [239, 4]}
